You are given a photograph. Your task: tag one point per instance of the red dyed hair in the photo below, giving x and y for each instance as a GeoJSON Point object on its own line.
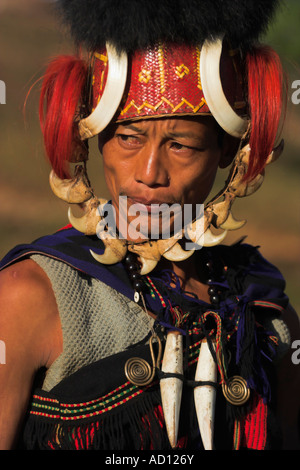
{"type": "Point", "coordinates": [265, 98]}
{"type": "Point", "coordinates": [61, 95]}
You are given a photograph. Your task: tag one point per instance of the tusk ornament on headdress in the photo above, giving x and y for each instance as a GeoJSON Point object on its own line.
{"type": "Point", "coordinates": [111, 98]}
{"type": "Point", "coordinates": [213, 92]}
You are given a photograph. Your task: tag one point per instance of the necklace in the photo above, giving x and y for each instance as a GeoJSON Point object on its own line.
{"type": "Point", "coordinates": [133, 268]}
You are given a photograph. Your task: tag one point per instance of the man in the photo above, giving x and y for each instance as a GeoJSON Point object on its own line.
{"type": "Point", "coordinates": [128, 339]}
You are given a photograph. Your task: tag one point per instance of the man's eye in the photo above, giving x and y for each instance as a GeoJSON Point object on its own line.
{"type": "Point", "coordinates": [177, 146]}
{"type": "Point", "coordinates": [129, 139]}
{"type": "Point", "coordinates": [184, 148]}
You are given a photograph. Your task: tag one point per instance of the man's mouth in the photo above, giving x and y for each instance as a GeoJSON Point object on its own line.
{"type": "Point", "coordinates": [143, 205]}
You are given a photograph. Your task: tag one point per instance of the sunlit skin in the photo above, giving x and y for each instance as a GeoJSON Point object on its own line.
{"type": "Point", "coordinates": [171, 161]}
{"type": "Point", "coordinates": [158, 161]}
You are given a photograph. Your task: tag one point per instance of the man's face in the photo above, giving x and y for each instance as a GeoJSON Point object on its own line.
{"type": "Point", "coordinates": [161, 161]}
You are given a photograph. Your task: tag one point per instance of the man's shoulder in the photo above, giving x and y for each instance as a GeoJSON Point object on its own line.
{"type": "Point", "coordinates": [26, 295]}
{"type": "Point", "coordinates": [28, 312]}
{"type": "Point", "coordinates": [16, 278]}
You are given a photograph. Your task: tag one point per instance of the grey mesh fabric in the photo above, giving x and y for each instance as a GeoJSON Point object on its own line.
{"type": "Point", "coordinates": [96, 320]}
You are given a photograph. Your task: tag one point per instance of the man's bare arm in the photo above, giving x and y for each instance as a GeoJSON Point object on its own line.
{"type": "Point", "coordinates": [31, 332]}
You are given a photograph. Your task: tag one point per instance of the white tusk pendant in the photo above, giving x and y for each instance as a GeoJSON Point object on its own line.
{"type": "Point", "coordinates": [176, 253]}
{"type": "Point", "coordinates": [232, 224]}
{"type": "Point", "coordinates": [209, 239]}
{"type": "Point", "coordinates": [147, 265]}
{"type": "Point", "coordinates": [72, 191]}
{"type": "Point", "coordinates": [115, 251]}
{"type": "Point", "coordinates": [171, 387]}
{"type": "Point", "coordinates": [87, 223]}
{"type": "Point", "coordinates": [205, 395]}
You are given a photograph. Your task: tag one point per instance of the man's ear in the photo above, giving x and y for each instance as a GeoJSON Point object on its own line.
{"type": "Point", "coordinates": [230, 147]}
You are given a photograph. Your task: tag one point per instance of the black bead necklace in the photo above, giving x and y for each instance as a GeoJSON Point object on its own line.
{"type": "Point", "coordinates": [133, 268]}
{"type": "Point", "coordinates": [213, 291]}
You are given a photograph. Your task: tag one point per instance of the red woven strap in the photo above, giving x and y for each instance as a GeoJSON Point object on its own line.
{"type": "Point", "coordinates": [254, 426]}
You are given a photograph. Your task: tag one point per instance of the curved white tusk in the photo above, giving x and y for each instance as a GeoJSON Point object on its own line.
{"type": "Point", "coordinates": [195, 230]}
{"type": "Point", "coordinates": [147, 265]}
{"type": "Point", "coordinates": [86, 224]}
{"type": "Point", "coordinates": [148, 250]}
{"type": "Point", "coordinates": [213, 91]}
{"type": "Point", "coordinates": [205, 395]}
{"type": "Point", "coordinates": [166, 244]}
{"type": "Point", "coordinates": [115, 251]}
{"type": "Point", "coordinates": [176, 253]}
{"type": "Point", "coordinates": [72, 191]}
{"type": "Point", "coordinates": [232, 224]}
{"type": "Point", "coordinates": [171, 387]}
{"type": "Point", "coordinates": [111, 98]}
{"type": "Point", "coordinates": [209, 239]}
{"type": "Point", "coordinates": [79, 223]}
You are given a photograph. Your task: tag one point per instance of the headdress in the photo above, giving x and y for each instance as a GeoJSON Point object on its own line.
{"type": "Point", "coordinates": [142, 31]}
{"type": "Point", "coordinates": [163, 58]}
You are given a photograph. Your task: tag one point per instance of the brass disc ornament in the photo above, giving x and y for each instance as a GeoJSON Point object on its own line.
{"type": "Point", "coordinates": [235, 391]}
{"type": "Point", "coordinates": [138, 371]}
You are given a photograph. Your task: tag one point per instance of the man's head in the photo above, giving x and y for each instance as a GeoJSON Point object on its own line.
{"type": "Point", "coordinates": [164, 78]}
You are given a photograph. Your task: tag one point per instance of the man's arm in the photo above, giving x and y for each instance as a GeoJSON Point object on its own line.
{"type": "Point", "coordinates": [289, 386]}
{"type": "Point", "coordinates": [31, 332]}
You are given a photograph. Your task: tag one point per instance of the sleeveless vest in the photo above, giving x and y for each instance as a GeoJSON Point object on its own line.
{"type": "Point", "coordinates": [86, 401]}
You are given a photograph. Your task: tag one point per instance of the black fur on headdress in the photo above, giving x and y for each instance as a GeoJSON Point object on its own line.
{"type": "Point", "coordinates": [134, 24]}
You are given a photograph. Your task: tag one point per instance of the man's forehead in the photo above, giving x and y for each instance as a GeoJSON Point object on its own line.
{"type": "Point", "coordinates": [170, 123]}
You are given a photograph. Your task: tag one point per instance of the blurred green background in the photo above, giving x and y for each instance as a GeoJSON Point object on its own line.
{"type": "Point", "coordinates": [29, 36]}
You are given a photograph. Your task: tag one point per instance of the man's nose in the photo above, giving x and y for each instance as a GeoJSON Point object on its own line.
{"type": "Point", "coordinates": [151, 168]}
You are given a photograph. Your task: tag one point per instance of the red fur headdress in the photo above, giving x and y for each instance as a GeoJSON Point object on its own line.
{"type": "Point", "coordinates": [158, 37]}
